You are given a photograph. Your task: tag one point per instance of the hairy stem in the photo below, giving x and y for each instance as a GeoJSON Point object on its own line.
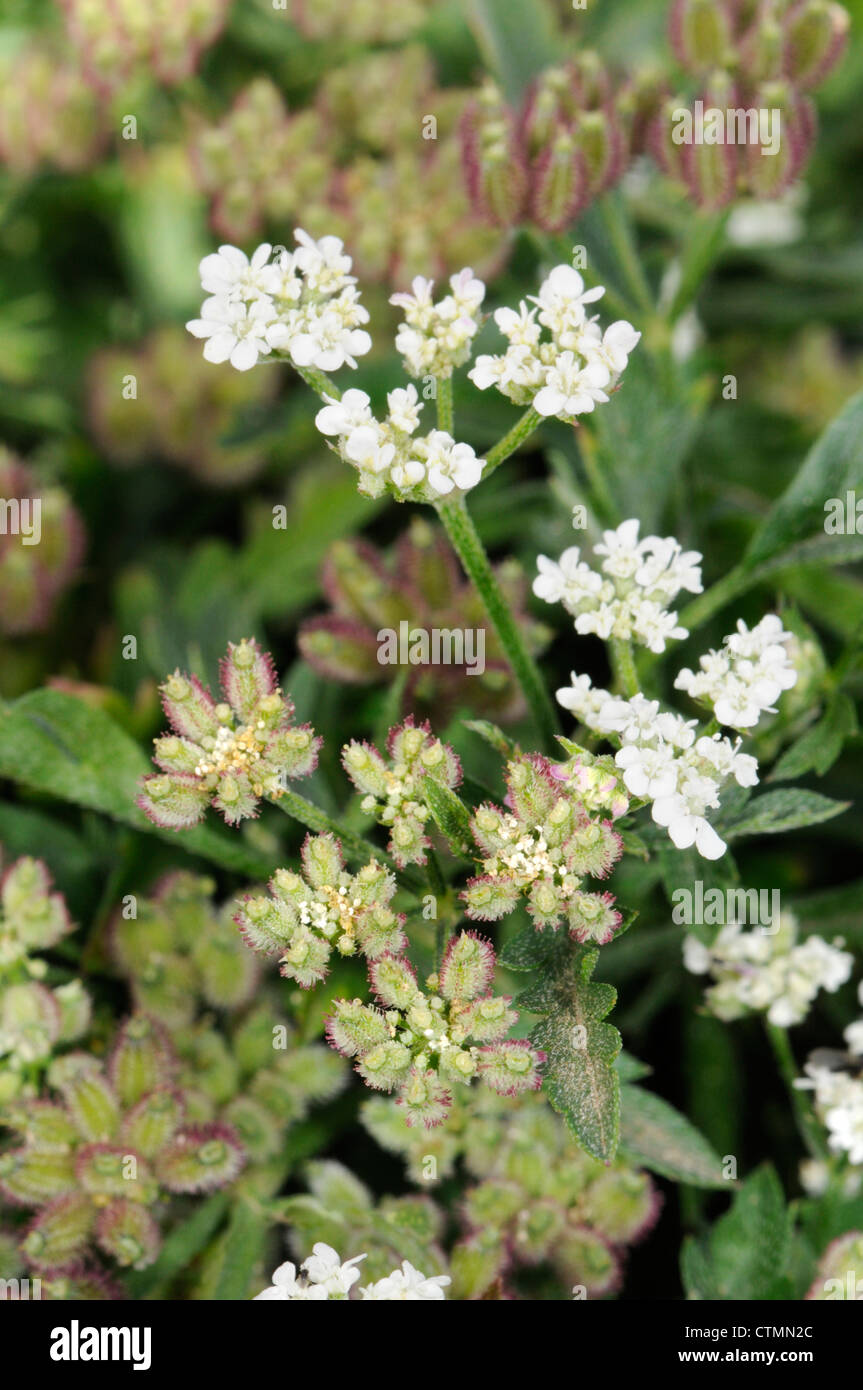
{"type": "Point", "coordinates": [444, 403]}
{"type": "Point", "coordinates": [623, 665]}
{"type": "Point", "coordinates": [810, 1130]}
{"type": "Point", "coordinates": [311, 816]}
{"type": "Point", "coordinates": [320, 382]}
{"type": "Point", "coordinates": [512, 440]}
{"type": "Point", "coordinates": [462, 532]}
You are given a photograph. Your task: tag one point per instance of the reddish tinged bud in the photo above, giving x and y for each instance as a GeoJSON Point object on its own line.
{"type": "Point", "coordinates": [792, 125]}
{"type": "Point", "coordinates": [710, 172]}
{"type": "Point", "coordinates": [394, 981]}
{"type": "Point", "coordinates": [560, 185]}
{"type": "Point", "coordinates": [638, 106]}
{"type": "Point", "coordinates": [190, 709]}
{"type": "Point", "coordinates": [700, 33]}
{"type": "Point", "coordinates": [761, 49]}
{"type": "Point", "coordinates": [58, 1237]}
{"type": "Point", "coordinates": [141, 1060]}
{"type": "Point", "coordinates": [201, 1159]}
{"type": "Point", "coordinates": [495, 172]}
{"type": "Point", "coordinates": [467, 968]}
{"type": "Point", "coordinates": [815, 34]}
{"type": "Point", "coordinates": [601, 140]}
{"type": "Point", "coordinates": [127, 1231]}
{"type": "Point", "coordinates": [247, 675]}
{"type": "Point", "coordinates": [511, 1067]}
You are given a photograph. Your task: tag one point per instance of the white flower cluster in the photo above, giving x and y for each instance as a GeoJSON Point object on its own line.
{"type": "Point", "coordinates": [302, 304]}
{"type": "Point", "coordinates": [838, 1094]}
{"type": "Point", "coordinates": [630, 597]}
{"type": "Point", "coordinates": [664, 761]}
{"type": "Point", "coordinates": [387, 453]}
{"type": "Point", "coordinates": [327, 1278]}
{"type": "Point", "coordinates": [745, 678]}
{"type": "Point", "coordinates": [436, 338]}
{"type": "Point", "coordinates": [767, 970]}
{"type": "Point", "coordinates": [569, 371]}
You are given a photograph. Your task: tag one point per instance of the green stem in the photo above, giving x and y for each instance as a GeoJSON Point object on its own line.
{"type": "Point", "coordinates": [699, 255]}
{"type": "Point", "coordinates": [714, 598]}
{"type": "Point", "coordinates": [512, 440]}
{"type": "Point", "coordinates": [462, 532]}
{"type": "Point", "coordinates": [320, 382]}
{"type": "Point", "coordinates": [811, 1131]}
{"type": "Point", "coordinates": [311, 816]}
{"type": "Point", "coordinates": [623, 665]}
{"type": "Point", "coordinates": [444, 403]}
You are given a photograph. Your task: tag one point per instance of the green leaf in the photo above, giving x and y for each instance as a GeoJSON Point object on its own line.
{"type": "Point", "coordinates": [747, 1252]}
{"type": "Point", "coordinates": [450, 816]}
{"type": "Point", "coordinates": [244, 1244]}
{"type": "Point", "coordinates": [833, 467]}
{"type": "Point", "coordinates": [517, 41]}
{"type": "Point", "coordinates": [492, 735]}
{"type": "Point", "coordinates": [784, 810]}
{"type": "Point", "coordinates": [528, 950]}
{"type": "Point", "coordinates": [629, 1068]}
{"type": "Point", "coordinates": [54, 743]}
{"type": "Point", "coordinates": [657, 1136]}
{"type": "Point", "coordinates": [579, 1075]}
{"type": "Point", "coordinates": [820, 746]}
{"type": "Point", "coordinates": [181, 1246]}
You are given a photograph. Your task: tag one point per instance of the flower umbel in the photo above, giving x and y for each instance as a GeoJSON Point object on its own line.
{"type": "Point", "coordinates": [307, 915]}
{"type": "Point", "coordinates": [228, 754]}
{"type": "Point", "coordinates": [393, 793]}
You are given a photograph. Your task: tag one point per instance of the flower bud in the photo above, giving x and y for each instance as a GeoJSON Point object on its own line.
{"type": "Point", "coordinates": [582, 1257]}
{"type": "Point", "coordinates": [424, 1099]}
{"type": "Point", "coordinates": [248, 675]}
{"type": "Point", "coordinates": [495, 172]}
{"type": "Point", "coordinates": [150, 1124]}
{"type": "Point", "coordinates": [394, 981]}
{"type": "Point", "coordinates": [58, 1237]}
{"type": "Point", "coordinates": [91, 1103]}
{"type": "Point", "coordinates": [140, 1061]}
{"type": "Point", "coordinates": [700, 33]}
{"type": "Point", "coordinates": [201, 1159]}
{"type": "Point", "coordinates": [385, 1065]}
{"type": "Point", "coordinates": [30, 1177]}
{"type": "Point", "coordinates": [560, 183]}
{"type": "Point", "coordinates": [511, 1067]}
{"type": "Point", "coordinates": [354, 1028]}
{"type": "Point", "coordinates": [75, 1010]}
{"type": "Point", "coordinates": [467, 968]}
{"type": "Point", "coordinates": [622, 1204]}
{"type": "Point", "coordinates": [815, 34]}
{"type": "Point", "coordinates": [127, 1232]}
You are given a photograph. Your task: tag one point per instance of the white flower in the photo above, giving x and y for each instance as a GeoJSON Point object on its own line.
{"type": "Point", "coordinates": [556, 359]}
{"type": "Point", "coordinates": [235, 332]}
{"type": "Point", "coordinates": [572, 387]}
{"type": "Point", "coordinates": [686, 828]}
{"type": "Point", "coordinates": [325, 1269]}
{"type": "Point", "coordinates": [451, 465]}
{"type": "Point", "coordinates": [403, 407]}
{"type": "Point", "coordinates": [436, 338]}
{"type": "Point", "coordinates": [286, 1287]}
{"type": "Point", "coordinates": [584, 701]}
{"type": "Point", "coordinates": [647, 772]}
{"type": "Point", "coordinates": [745, 678]}
{"type": "Point", "coordinates": [343, 416]}
{"type": "Point", "coordinates": [230, 274]}
{"type": "Point", "coordinates": [769, 971]}
{"type": "Point", "coordinates": [408, 1285]}
{"type": "Point", "coordinates": [303, 305]}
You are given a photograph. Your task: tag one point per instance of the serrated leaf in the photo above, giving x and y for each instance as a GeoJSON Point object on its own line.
{"type": "Point", "coordinates": [747, 1251]}
{"type": "Point", "coordinates": [54, 743]}
{"type": "Point", "coordinates": [657, 1136]}
{"type": "Point", "coordinates": [819, 747]}
{"type": "Point", "coordinates": [630, 1068]}
{"type": "Point", "coordinates": [788, 809]}
{"type": "Point", "coordinates": [450, 816]}
{"type": "Point", "coordinates": [832, 467]}
{"type": "Point", "coordinates": [579, 1076]}
{"type": "Point", "coordinates": [527, 951]}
